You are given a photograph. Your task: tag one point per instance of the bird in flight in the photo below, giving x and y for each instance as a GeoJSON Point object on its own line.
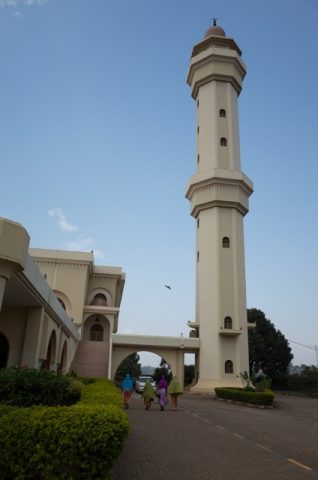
{"type": "Point", "coordinates": [168, 286]}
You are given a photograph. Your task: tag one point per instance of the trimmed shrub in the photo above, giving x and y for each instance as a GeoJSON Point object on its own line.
{"type": "Point", "coordinates": [102, 392]}
{"type": "Point", "coordinates": [24, 387]}
{"type": "Point", "coordinates": [239, 395]}
{"type": "Point", "coordinates": [68, 443]}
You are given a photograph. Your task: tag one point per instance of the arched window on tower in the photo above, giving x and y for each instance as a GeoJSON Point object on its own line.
{"type": "Point", "coordinates": [222, 113]}
{"type": "Point", "coordinates": [228, 366]}
{"type": "Point", "coordinates": [226, 242]}
{"type": "Point", "coordinates": [99, 300]}
{"type": "Point", "coordinates": [228, 323]}
{"type": "Point", "coordinates": [223, 142]}
{"type": "Point", "coordinates": [96, 333]}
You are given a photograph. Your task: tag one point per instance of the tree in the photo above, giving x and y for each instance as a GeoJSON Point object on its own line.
{"type": "Point", "coordinates": [129, 365]}
{"type": "Point", "coordinates": [163, 369]}
{"type": "Point", "coordinates": [268, 348]}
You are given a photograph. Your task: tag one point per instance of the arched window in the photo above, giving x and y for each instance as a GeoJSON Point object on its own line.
{"type": "Point", "coordinates": [228, 322]}
{"type": "Point", "coordinates": [228, 366]}
{"type": "Point", "coordinates": [96, 333]}
{"type": "Point", "coordinates": [4, 351]}
{"type": "Point", "coordinates": [99, 300]}
{"type": "Point", "coordinates": [222, 113]}
{"type": "Point", "coordinates": [223, 142]}
{"type": "Point", "coordinates": [226, 242]}
{"type": "Point", "coordinates": [62, 303]}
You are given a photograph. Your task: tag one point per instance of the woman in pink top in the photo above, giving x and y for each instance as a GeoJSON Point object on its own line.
{"type": "Point", "coordinates": [162, 392]}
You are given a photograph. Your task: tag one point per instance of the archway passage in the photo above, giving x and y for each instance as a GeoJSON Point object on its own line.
{"type": "Point", "coordinates": [4, 351]}
{"type": "Point", "coordinates": [50, 355]}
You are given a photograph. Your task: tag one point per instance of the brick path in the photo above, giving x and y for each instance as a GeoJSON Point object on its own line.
{"type": "Point", "coordinates": [208, 439]}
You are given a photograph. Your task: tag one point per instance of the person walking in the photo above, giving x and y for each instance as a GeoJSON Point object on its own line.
{"type": "Point", "coordinates": [162, 390]}
{"type": "Point", "coordinates": [127, 388]}
{"type": "Point", "coordinates": [148, 394]}
{"type": "Point", "coordinates": [175, 389]}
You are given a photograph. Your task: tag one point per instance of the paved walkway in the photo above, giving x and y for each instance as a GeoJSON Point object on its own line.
{"type": "Point", "coordinates": [207, 439]}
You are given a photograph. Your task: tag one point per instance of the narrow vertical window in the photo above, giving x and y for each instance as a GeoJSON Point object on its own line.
{"type": "Point", "coordinates": [223, 142]}
{"type": "Point", "coordinates": [198, 223]}
{"type": "Point", "coordinates": [198, 129]}
{"type": "Point", "coordinates": [228, 366]}
{"type": "Point", "coordinates": [198, 103]}
{"type": "Point", "coordinates": [228, 323]}
{"type": "Point", "coordinates": [198, 159]}
{"type": "Point", "coordinates": [222, 113]}
{"type": "Point", "coordinates": [226, 242]}
{"type": "Point", "coordinates": [198, 256]}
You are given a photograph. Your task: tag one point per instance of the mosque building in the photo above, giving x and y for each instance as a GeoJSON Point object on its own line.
{"type": "Point", "coordinates": [60, 311]}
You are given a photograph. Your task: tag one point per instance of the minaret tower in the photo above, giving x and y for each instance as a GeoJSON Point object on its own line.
{"type": "Point", "coordinates": [218, 193]}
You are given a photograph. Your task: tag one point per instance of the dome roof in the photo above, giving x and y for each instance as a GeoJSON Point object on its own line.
{"type": "Point", "coordinates": [215, 30]}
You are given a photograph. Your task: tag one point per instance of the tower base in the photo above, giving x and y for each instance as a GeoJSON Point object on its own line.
{"type": "Point", "coordinates": [207, 385]}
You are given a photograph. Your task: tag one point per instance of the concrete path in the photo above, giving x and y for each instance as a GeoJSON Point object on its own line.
{"type": "Point", "coordinates": [207, 439]}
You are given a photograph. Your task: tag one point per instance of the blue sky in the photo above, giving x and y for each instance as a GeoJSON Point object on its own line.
{"type": "Point", "coordinates": [97, 142]}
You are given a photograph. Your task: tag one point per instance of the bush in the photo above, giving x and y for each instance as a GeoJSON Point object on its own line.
{"type": "Point", "coordinates": [24, 387]}
{"type": "Point", "coordinates": [97, 393]}
{"type": "Point", "coordinates": [240, 395]}
{"type": "Point", "coordinates": [69, 443]}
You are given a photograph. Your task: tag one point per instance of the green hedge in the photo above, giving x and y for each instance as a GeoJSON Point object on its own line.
{"type": "Point", "coordinates": [66, 443]}
{"type": "Point", "coordinates": [239, 395]}
{"type": "Point", "coordinates": [97, 393]}
{"type": "Point", "coordinates": [25, 387]}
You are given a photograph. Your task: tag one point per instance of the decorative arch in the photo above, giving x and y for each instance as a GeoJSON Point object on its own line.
{"type": "Point", "coordinates": [226, 242]}
{"type": "Point", "coordinates": [64, 301]}
{"type": "Point", "coordinates": [62, 362]}
{"type": "Point", "coordinates": [228, 323]}
{"type": "Point", "coordinates": [50, 352]}
{"type": "Point", "coordinates": [96, 333]}
{"type": "Point", "coordinates": [96, 329]}
{"type": "Point", "coordinates": [124, 352]}
{"type": "Point", "coordinates": [98, 293]}
{"type": "Point", "coordinates": [4, 350]}
{"type": "Point", "coordinates": [228, 366]}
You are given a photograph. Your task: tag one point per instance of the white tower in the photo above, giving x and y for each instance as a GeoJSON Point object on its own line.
{"type": "Point", "coordinates": [219, 193]}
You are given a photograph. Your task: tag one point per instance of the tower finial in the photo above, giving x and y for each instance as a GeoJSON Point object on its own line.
{"type": "Point", "coordinates": [214, 21]}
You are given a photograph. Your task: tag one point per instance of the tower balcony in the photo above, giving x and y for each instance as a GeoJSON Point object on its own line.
{"type": "Point", "coordinates": [230, 332]}
{"type": "Point", "coordinates": [219, 188]}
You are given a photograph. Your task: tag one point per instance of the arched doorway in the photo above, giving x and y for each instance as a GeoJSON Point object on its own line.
{"type": "Point", "coordinates": [61, 365]}
{"type": "Point", "coordinates": [50, 355]}
{"type": "Point", "coordinates": [4, 350]}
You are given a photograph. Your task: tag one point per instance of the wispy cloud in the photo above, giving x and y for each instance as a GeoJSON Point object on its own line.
{"type": "Point", "coordinates": [35, 2]}
{"type": "Point", "coordinates": [17, 4]}
{"type": "Point", "coordinates": [8, 3]}
{"type": "Point", "coordinates": [61, 220]}
{"type": "Point", "coordinates": [82, 242]}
